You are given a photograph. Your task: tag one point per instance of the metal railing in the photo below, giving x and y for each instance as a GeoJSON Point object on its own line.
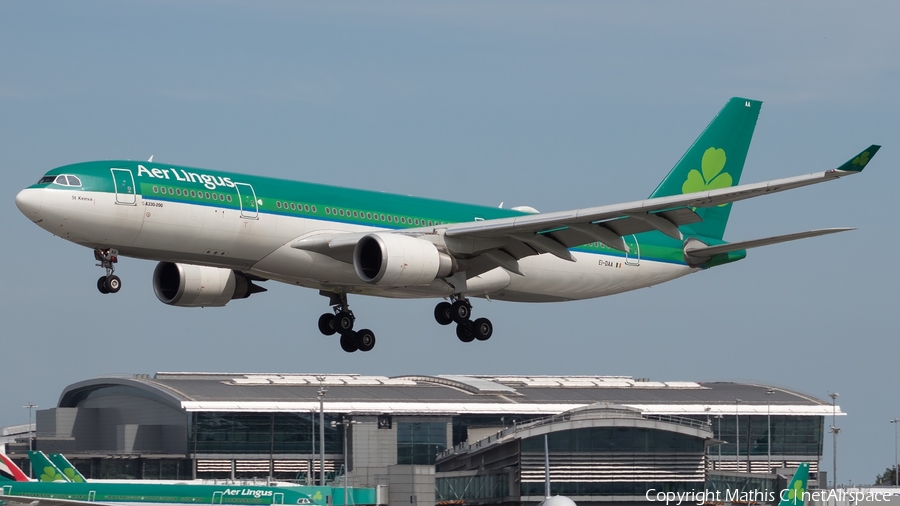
{"type": "Point", "coordinates": [566, 417]}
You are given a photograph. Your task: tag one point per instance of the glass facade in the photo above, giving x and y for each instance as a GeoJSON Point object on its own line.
{"type": "Point", "coordinates": [134, 469]}
{"type": "Point", "coordinates": [419, 443]}
{"type": "Point", "coordinates": [637, 488]}
{"type": "Point", "coordinates": [614, 439]}
{"type": "Point", "coordinates": [478, 488]}
{"type": "Point", "coordinates": [263, 432]}
{"type": "Point", "coordinates": [791, 435]}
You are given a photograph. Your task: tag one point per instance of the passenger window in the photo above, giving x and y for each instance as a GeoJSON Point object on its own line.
{"type": "Point", "coordinates": [193, 193]}
{"type": "Point", "coordinates": [354, 214]}
{"type": "Point", "coordinates": [156, 189]}
{"type": "Point", "coordinates": [229, 198]}
{"type": "Point", "coordinates": [313, 208]}
{"type": "Point", "coordinates": [178, 191]}
{"type": "Point", "coordinates": [369, 215]}
{"type": "Point", "coordinates": [306, 207]}
{"type": "Point", "coordinates": [278, 204]}
{"type": "Point", "coordinates": [327, 211]}
{"type": "Point", "coordinates": [215, 197]}
{"type": "Point", "coordinates": [207, 195]}
{"type": "Point", "coordinates": [74, 181]}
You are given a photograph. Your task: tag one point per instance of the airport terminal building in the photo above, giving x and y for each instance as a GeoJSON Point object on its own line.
{"type": "Point", "coordinates": [447, 439]}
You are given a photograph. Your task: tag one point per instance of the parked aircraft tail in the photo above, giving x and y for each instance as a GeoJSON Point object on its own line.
{"type": "Point", "coordinates": [9, 471]}
{"type": "Point", "coordinates": [794, 495]}
{"type": "Point", "coordinates": [68, 470]}
{"type": "Point", "coordinates": [43, 469]}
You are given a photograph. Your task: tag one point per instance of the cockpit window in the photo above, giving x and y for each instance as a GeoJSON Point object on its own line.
{"type": "Point", "coordinates": [61, 180]}
{"type": "Point", "coordinates": [46, 179]}
{"type": "Point", "coordinates": [73, 181]}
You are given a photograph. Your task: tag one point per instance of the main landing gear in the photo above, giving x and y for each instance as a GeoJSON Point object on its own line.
{"type": "Point", "coordinates": [459, 312]}
{"type": "Point", "coordinates": [108, 258]}
{"type": "Point", "coordinates": [341, 322]}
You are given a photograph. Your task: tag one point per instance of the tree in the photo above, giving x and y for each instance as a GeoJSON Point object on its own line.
{"type": "Point", "coordinates": [887, 478]}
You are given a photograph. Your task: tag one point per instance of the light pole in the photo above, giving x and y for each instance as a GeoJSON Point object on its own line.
{"type": "Point", "coordinates": [895, 421]}
{"type": "Point", "coordinates": [769, 392]}
{"type": "Point", "coordinates": [719, 435]}
{"type": "Point", "coordinates": [835, 430]}
{"type": "Point", "coordinates": [311, 478]}
{"type": "Point", "coordinates": [737, 437]}
{"type": "Point", "coordinates": [346, 424]}
{"type": "Point", "coordinates": [322, 392]}
{"type": "Point", "coordinates": [31, 428]}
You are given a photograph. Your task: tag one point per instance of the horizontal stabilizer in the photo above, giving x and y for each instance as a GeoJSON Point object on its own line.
{"type": "Point", "coordinates": [696, 252]}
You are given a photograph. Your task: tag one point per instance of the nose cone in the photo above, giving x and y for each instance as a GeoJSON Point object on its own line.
{"type": "Point", "coordinates": [29, 202]}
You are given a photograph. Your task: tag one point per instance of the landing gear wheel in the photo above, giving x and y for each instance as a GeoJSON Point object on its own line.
{"type": "Point", "coordinates": [365, 339]}
{"type": "Point", "coordinates": [348, 342]}
{"type": "Point", "coordinates": [460, 311]}
{"type": "Point", "coordinates": [101, 285]}
{"type": "Point", "coordinates": [443, 312]}
{"type": "Point", "coordinates": [343, 323]}
{"type": "Point", "coordinates": [464, 332]}
{"type": "Point", "coordinates": [483, 329]}
{"type": "Point", "coordinates": [113, 283]}
{"type": "Point", "coordinates": [326, 324]}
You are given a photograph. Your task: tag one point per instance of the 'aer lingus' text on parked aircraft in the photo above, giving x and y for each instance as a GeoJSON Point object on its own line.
{"type": "Point", "coordinates": [216, 234]}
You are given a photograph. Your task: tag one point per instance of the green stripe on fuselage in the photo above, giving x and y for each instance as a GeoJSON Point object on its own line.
{"type": "Point", "coordinates": [320, 202]}
{"type": "Point", "coordinates": [155, 493]}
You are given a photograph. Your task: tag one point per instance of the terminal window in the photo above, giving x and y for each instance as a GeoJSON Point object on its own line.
{"type": "Point", "coordinates": [419, 442]}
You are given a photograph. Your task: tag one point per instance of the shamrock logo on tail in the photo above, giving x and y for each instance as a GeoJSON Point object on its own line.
{"type": "Point", "coordinates": [50, 474]}
{"type": "Point", "coordinates": [70, 473]}
{"type": "Point", "coordinates": [861, 160]}
{"type": "Point", "coordinates": [710, 175]}
{"type": "Point", "coordinates": [796, 493]}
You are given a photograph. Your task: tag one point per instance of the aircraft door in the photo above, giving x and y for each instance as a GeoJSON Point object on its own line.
{"type": "Point", "coordinates": [247, 201]}
{"type": "Point", "coordinates": [123, 180]}
{"type": "Point", "coordinates": [633, 255]}
{"type": "Point", "coordinates": [92, 495]}
{"type": "Point", "coordinates": [278, 498]}
{"type": "Point", "coordinates": [218, 497]}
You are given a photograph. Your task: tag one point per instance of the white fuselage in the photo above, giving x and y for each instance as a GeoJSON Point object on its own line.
{"type": "Point", "coordinates": [208, 235]}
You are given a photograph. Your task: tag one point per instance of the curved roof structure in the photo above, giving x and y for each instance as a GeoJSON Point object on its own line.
{"type": "Point", "coordinates": [465, 394]}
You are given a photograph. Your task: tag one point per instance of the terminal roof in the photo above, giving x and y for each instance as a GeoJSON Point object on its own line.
{"type": "Point", "coordinates": [443, 394]}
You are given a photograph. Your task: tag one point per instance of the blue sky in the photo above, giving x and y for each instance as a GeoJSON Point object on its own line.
{"type": "Point", "coordinates": [553, 105]}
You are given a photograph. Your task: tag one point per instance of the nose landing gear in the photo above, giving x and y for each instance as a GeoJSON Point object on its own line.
{"type": "Point", "coordinates": [341, 322]}
{"type": "Point", "coordinates": [459, 312]}
{"type": "Point", "coordinates": [108, 258]}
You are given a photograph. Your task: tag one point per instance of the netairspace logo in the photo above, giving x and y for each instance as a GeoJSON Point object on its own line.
{"type": "Point", "coordinates": [762, 496]}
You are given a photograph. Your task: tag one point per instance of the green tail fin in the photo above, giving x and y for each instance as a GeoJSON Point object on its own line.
{"type": "Point", "coordinates": [715, 160]}
{"type": "Point", "coordinates": [794, 495]}
{"type": "Point", "coordinates": [44, 470]}
{"type": "Point", "coordinates": [68, 470]}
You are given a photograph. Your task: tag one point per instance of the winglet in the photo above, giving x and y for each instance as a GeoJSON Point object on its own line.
{"type": "Point", "coordinates": [858, 162]}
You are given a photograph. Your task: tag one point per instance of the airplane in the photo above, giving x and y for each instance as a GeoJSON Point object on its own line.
{"type": "Point", "coordinates": [795, 494]}
{"type": "Point", "coordinates": [67, 469]}
{"type": "Point", "coordinates": [45, 468]}
{"type": "Point", "coordinates": [48, 490]}
{"type": "Point", "coordinates": [217, 234]}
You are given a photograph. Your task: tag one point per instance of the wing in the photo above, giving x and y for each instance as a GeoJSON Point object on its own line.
{"type": "Point", "coordinates": [45, 501]}
{"type": "Point", "coordinates": [484, 245]}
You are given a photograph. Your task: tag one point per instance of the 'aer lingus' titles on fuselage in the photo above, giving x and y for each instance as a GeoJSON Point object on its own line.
{"type": "Point", "coordinates": [217, 234]}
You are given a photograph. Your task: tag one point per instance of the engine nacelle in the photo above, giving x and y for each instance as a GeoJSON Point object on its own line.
{"type": "Point", "coordinates": [399, 260]}
{"type": "Point", "coordinates": [187, 285]}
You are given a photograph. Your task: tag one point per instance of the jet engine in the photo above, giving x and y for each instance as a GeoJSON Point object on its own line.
{"type": "Point", "coordinates": [399, 260]}
{"type": "Point", "coordinates": [187, 285]}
